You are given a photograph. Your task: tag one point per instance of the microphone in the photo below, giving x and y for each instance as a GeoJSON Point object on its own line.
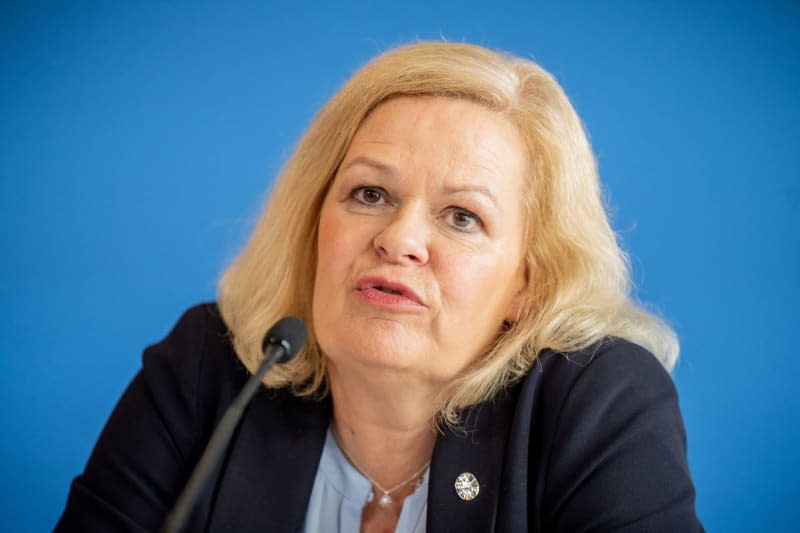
{"type": "Point", "coordinates": [289, 333]}
{"type": "Point", "coordinates": [281, 343]}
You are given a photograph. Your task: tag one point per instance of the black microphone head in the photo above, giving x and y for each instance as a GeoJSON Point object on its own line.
{"type": "Point", "coordinates": [288, 332]}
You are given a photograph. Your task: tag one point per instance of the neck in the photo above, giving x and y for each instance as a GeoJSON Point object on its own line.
{"type": "Point", "coordinates": [384, 422]}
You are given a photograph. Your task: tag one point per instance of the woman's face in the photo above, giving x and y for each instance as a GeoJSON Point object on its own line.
{"type": "Point", "coordinates": [420, 252]}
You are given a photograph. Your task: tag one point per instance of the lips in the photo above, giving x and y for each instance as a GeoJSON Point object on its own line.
{"type": "Point", "coordinates": [383, 291]}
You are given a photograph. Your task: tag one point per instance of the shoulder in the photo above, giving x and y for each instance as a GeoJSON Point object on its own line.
{"type": "Point", "coordinates": [158, 428]}
{"type": "Point", "coordinates": [197, 347]}
{"type": "Point", "coordinates": [610, 368]}
{"type": "Point", "coordinates": [192, 375]}
{"type": "Point", "coordinates": [607, 441]}
{"type": "Point", "coordinates": [198, 329]}
{"type": "Point", "coordinates": [610, 388]}
{"type": "Point", "coordinates": [607, 360]}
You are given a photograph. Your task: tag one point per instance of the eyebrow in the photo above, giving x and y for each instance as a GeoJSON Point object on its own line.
{"type": "Point", "coordinates": [369, 162]}
{"type": "Point", "coordinates": [390, 171]}
{"type": "Point", "coordinates": [480, 189]}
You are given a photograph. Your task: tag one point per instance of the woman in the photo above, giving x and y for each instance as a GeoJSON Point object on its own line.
{"type": "Point", "coordinates": [474, 361]}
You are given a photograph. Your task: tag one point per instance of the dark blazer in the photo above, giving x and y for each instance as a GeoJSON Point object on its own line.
{"type": "Point", "coordinates": [592, 441]}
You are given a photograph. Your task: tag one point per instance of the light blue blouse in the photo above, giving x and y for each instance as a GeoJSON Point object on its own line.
{"type": "Point", "coordinates": [340, 493]}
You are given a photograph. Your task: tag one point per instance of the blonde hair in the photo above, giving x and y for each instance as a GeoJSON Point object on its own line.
{"type": "Point", "coordinates": [579, 281]}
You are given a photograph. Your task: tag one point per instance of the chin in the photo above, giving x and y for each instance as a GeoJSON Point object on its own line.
{"type": "Point", "coordinates": [379, 351]}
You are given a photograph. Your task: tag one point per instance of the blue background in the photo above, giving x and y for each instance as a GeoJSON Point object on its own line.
{"type": "Point", "coordinates": [137, 143]}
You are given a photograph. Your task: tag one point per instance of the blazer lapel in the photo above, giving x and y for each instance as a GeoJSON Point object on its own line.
{"type": "Point", "coordinates": [271, 466]}
{"type": "Point", "coordinates": [266, 481]}
{"type": "Point", "coordinates": [478, 448]}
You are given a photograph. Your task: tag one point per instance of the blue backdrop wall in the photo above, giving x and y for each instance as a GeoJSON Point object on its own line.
{"type": "Point", "coordinates": [137, 143]}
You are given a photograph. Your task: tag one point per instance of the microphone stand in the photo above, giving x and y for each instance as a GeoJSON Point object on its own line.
{"type": "Point", "coordinates": [177, 518]}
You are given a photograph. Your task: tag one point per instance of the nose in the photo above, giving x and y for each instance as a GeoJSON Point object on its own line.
{"type": "Point", "coordinates": [404, 240]}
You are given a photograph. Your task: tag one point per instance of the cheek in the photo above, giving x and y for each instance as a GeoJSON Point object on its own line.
{"type": "Point", "coordinates": [327, 277]}
{"type": "Point", "coordinates": [479, 284]}
{"type": "Point", "coordinates": [338, 247]}
{"type": "Point", "coordinates": [328, 252]}
{"type": "Point", "coordinates": [468, 286]}
{"type": "Point", "coordinates": [469, 270]}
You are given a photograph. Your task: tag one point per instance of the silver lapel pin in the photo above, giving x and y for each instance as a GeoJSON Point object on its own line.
{"type": "Point", "coordinates": [467, 486]}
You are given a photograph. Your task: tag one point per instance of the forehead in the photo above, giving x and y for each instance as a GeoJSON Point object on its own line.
{"type": "Point", "coordinates": [450, 135]}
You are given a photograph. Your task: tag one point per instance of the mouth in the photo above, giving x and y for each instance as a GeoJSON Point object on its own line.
{"type": "Point", "coordinates": [387, 290]}
{"type": "Point", "coordinates": [393, 292]}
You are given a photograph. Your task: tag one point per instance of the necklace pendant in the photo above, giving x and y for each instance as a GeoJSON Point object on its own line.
{"type": "Point", "coordinates": [385, 501]}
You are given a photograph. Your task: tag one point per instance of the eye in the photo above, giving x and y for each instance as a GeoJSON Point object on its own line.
{"type": "Point", "coordinates": [369, 195]}
{"type": "Point", "coordinates": [463, 220]}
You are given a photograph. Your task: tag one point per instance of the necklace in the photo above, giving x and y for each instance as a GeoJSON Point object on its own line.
{"type": "Point", "coordinates": [386, 499]}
